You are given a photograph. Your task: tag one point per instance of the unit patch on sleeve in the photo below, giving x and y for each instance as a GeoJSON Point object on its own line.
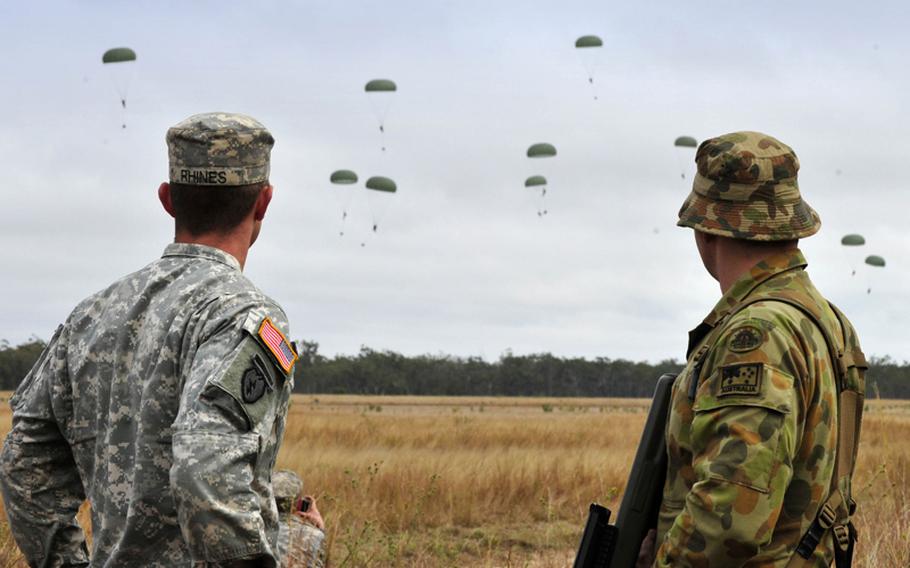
{"type": "Point", "coordinates": [743, 380]}
{"type": "Point", "coordinates": [746, 338]}
{"type": "Point", "coordinates": [252, 385]}
{"type": "Point", "coordinates": [278, 345]}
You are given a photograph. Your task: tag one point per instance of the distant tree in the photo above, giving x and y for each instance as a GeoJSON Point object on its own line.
{"type": "Point", "coordinates": [15, 362]}
{"type": "Point", "coordinates": [540, 374]}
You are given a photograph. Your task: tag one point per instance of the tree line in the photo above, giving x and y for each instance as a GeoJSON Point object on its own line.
{"type": "Point", "coordinates": [389, 373]}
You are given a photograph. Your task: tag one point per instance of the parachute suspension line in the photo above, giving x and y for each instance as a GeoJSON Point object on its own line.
{"type": "Point", "coordinates": [119, 61]}
{"type": "Point", "coordinates": [380, 94]}
{"type": "Point", "coordinates": [588, 49]}
{"type": "Point", "coordinates": [343, 181]}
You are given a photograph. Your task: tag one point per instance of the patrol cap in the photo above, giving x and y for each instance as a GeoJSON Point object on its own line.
{"type": "Point", "coordinates": [746, 188]}
{"type": "Point", "coordinates": [286, 485]}
{"type": "Point", "coordinates": [219, 148]}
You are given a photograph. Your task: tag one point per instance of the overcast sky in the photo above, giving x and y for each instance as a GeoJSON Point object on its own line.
{"type": "Point", "coordinates": [461, 262]}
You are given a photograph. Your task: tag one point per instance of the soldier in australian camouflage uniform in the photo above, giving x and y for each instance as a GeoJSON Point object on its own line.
{"type": "Point", "coordinates": [162, 398]}
{"type": "Point", "coordinates": [752, 430]}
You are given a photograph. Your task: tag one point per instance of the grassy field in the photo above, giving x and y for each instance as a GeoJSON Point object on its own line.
{"type": "Point", "coordinates": [424, 481]}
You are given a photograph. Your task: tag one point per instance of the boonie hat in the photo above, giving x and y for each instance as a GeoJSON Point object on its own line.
{"type": "Point", "coordinates": [219, 148]}
{"type": "Point", "coordinates": [746, 188]}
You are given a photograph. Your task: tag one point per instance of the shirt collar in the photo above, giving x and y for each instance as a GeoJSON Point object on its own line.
{"type": "Point", "coordinates": [758, 274]}
{"type": "Point", "coordinates": [201, 251]}
{"type": "Point", "coordinates": [761, 272]}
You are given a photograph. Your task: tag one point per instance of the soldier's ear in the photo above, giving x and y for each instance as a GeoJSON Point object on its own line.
{"type": "Point", "coordinates": [164, 196]}
{"type": "Point", "coordinates": [262, 203]}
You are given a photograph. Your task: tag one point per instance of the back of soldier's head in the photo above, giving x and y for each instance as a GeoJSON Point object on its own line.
{"type": "Point", "coordinates": [219, 163]}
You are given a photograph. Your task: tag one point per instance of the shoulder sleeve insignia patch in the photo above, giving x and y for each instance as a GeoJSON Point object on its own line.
{"type": "Point", "coordinates": [746, 338]}
{"type": "Point", "coordinates": [742, 380]}
{"type": "Point", "coordinates": [277, 345]}
{"type": "Point", "coordinates": [252, 385]}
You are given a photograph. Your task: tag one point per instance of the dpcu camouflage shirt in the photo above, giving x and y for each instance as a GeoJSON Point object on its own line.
{"type": "Point", "coordinates": [751, 443]}
{"type": "Point", "coordinates": [161, 399]}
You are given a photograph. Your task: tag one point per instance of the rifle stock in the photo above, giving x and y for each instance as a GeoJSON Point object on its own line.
{"type": "Point", "coordinates": [616, 546]}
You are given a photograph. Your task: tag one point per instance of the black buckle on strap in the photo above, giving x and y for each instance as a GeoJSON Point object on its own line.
{"type": "Point", "coordinates": [823, 522]}
{"type": "Point", "coordinates": [842, 537]}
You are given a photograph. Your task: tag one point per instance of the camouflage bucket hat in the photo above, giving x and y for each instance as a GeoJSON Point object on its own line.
{"type": "Point", "coordinates": [287, 486]}
{"type": "Point", "coordinates": [219, 148]}
{"type": "Point", "coordinates": [746, 188]}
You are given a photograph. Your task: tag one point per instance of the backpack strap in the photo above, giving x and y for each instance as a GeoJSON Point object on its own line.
{"type": "Point", "coordinates": [838, 509]}
{"type": "Point", "coordinates": [850, 365]}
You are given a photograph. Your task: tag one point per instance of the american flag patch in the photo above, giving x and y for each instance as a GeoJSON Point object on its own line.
{"type": "Point", "coordinates": [277, 344]}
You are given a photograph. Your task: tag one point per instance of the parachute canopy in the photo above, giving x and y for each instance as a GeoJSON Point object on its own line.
{"type": "Point", "coordinates": [535, 181]}
{"type": "Point", "coordinates": [380, 85]}
{"type": "Point", "coordinates": [118, 55]}
{"type": "Point", "coordinates": [343, 177]}
{"type": "Point", "coordinates": [875, 260]}
{"type": "Point", "coordinates": [588, 41]}
{"type": "Point", "coordinates": [379, 183]}
{"type": "Point", "coordinates": [686, 142]}
{"type": "Point", "coordinates": [853, 240]}
{"type": "Point", "coordinates": [541, 150]}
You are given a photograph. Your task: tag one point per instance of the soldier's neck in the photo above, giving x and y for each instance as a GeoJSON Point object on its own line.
{"type": "Point", "coordinates": [236, 243]}
{"type": "Point", "coordinates": [732, 270]}
{"type": "Point", "coordinates": [735, 258]}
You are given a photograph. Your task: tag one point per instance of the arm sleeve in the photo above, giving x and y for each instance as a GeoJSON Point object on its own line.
{"type": "Point", "coordinates": [42, 490]}
{"type": "Point", "coordinates": [216, 447]}
{"type": "Point", "coordinates": [744, 431]}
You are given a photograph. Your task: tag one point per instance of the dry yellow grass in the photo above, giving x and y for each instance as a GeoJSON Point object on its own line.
{"type": "Point", "coordinates": [422, 481]}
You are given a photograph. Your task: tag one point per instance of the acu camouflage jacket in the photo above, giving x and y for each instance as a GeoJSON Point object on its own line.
{"type": "Point", "coordinates": [162, 401]}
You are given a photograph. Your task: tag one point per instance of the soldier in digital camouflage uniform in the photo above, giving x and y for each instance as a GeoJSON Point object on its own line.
{"type": "Point", "coordinates": [162, 399]}
{"type": "Point", "coordinates": [752, 430]}
{"type": "Point", "coordinates": [301, 534]}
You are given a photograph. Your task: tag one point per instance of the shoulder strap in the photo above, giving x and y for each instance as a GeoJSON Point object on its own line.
{"type": "Point", "coordinates": [849, 365]}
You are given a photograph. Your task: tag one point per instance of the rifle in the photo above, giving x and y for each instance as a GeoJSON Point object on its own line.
{"type": "Point", "coordinates": [616, 546]}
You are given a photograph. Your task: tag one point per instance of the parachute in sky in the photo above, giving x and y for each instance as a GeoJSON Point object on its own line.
{"type": "Point", "coordinates": [686, 142]}
{"type": "Point", "coordinates": [381, 189]}
{"type": "Point", "coordinates": [853, 240]}
{"type": "Point", "coordinates": [588, 49]}
{"type": "Point", "coordinates": [118, 55]}
{"type": "Point", "coordinates": [343, 177]}
{"type": "Point", "coordinates": [541, 150]}
{"type": "Point", "coordinates": [684, 146]}
{"type": "Point", "coordinates": [344, 180]}
{"type": "Point", "coordinates": [119, 62]}
{"type": "Point", "coordinates": [379, 92]}
{"type": "Point", "coordinates": [877, 262]}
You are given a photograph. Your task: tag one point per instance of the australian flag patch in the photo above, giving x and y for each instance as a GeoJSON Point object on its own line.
{"type": "Point", "coordinates": [741, 380]}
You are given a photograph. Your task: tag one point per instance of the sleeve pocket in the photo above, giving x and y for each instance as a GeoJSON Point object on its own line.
{"type": "Point", "coordinates": [738, 436]}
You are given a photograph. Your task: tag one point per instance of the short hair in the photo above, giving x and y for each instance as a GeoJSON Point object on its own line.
{"type": "Point", "coordinates": [201, 209]}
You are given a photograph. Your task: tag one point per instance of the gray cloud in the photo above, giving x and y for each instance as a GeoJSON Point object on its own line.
{"type": "Point", "coordinates": [461, 264]}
